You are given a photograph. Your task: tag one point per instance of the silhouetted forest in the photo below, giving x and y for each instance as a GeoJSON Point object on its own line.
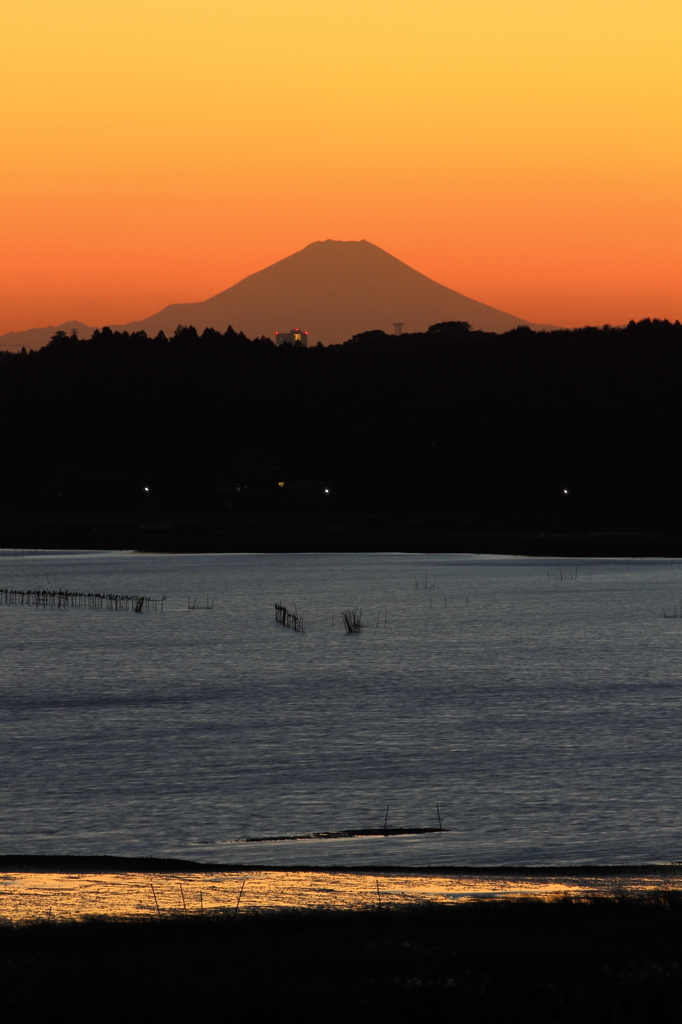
{"type": "Point", "coordinates": [449, 425]}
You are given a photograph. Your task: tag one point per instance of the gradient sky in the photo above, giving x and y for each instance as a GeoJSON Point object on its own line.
{"type": "Point", "coordinates": [525, 152]}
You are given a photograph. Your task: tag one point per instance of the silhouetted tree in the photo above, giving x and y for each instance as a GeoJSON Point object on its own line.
{"type": "Point", "coordinates": [450, 327]}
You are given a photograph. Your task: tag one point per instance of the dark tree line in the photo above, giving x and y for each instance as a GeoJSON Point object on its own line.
{"type": "Point", "coordinates": [448, 420]}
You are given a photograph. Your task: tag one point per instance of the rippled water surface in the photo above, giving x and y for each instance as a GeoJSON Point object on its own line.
{"type": "Point", "coordinates": [540, 709]}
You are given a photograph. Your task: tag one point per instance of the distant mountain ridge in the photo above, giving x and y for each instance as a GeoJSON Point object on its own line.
{"type": "Point", "coordinates": [36, 337]}
{"type": "Point", "coordinates": [332, 289]}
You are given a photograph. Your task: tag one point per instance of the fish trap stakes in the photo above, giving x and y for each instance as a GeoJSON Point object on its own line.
{"type": "Point", "coordinates": [352, 620]}
{"type": "Point", "coordinates": [81, 599]}
{"type": "Point", "coordinates": [289, 619]}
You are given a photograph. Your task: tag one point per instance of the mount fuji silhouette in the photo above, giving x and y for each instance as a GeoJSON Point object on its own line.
{"type": "Point", "coordinates": [331, 289]}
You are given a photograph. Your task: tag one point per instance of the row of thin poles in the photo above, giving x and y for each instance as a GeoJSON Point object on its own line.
{"type": "Point", "coordinates": [81, 599]}
{"type": "Point", "coordinates": [289, 619]}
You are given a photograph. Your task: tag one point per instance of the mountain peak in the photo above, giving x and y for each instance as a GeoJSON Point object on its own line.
{"type": "Point", "coordinates": [333, 289]}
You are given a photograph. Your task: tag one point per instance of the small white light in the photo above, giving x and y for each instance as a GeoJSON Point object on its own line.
{"type": "Point", "coordinates": [146, 488]}
{"type": "Point", "coordinates": [565, 491]}
{"type": "Point", "coordinates": [326, 491]}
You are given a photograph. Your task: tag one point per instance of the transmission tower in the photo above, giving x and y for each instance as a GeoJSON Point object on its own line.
{"type": "Point", "coordinates": [399, 327]}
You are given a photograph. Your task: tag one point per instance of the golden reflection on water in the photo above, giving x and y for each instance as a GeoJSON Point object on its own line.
{"type": "Point", "coordinates": [28, 896]}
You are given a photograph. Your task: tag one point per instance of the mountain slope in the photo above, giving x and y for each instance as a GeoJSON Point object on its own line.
{"type": "Point", "coordinates": [331, 289]}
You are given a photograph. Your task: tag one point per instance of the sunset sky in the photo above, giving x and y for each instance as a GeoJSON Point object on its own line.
{"type": "Point", "coordinates": [527, 153]}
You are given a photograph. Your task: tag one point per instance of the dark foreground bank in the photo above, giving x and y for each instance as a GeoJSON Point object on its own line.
{"type": "Point", "coordinates": [616, 959]}
{"type": "Point", "coordinates": [450, 440]}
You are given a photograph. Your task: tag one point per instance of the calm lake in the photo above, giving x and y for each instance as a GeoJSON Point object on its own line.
{"type": "Point", "coordinates": [538, 703]}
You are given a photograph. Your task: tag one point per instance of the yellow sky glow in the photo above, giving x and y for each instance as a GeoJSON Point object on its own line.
{"type": "Point", "coordinates": [526, 153]}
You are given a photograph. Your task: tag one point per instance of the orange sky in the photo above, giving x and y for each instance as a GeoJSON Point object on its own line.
{"type": "Point", "coordinates": [525, 152]}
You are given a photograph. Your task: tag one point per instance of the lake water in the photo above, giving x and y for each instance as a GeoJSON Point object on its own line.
{"type": "Point", "coordinates": [539, 707]}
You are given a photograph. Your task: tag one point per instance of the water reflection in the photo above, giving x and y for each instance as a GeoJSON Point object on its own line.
{"type": "Point", "coordinates": [30, 896]}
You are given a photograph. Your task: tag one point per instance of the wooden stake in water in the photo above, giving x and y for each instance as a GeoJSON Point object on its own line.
{"type": "Point", "coordinates": [239, 898]}
{"type": "Point", "coordinates": [440, 823]}
{"type": "Point", "coordinates": [158, 910]}
{"type": "Point", "coordinates": [386, 818]}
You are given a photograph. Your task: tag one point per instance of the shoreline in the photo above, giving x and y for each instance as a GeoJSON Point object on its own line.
{"type": "Point", "coordinates": [113, 888]}
{"type": "Point", "coordinates": [104, 863]}
{"type": "Point", "coordinates": [163, 533]}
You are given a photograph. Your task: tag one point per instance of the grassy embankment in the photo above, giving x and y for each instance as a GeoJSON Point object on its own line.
{"type": "Point", "coordinates": [617, 959]}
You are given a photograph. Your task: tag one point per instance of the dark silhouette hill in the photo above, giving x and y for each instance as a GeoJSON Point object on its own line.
{"type": "Point", "coordinates": [448, 439]}
{"type": "Point", "coordinates": [332, 289]}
